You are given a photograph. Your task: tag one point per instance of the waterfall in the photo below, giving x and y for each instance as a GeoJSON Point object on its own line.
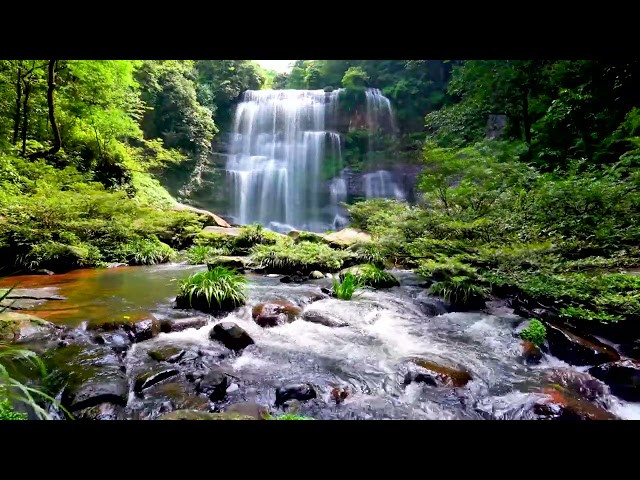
{"type": "Point", "coordinates": [285, 163]}
{"type": "Point", "coordinates": [381, 184]}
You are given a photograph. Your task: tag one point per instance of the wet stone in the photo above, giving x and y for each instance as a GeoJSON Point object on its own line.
{"type": "Point", "coordinates": [295, 391]}
{"type": "Point", "coordinates": [149, 379]}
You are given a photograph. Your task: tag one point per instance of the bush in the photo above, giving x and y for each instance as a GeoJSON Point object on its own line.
{"type": "Point", "coordinates": [147, 252]}
{"type": "Point", "coordinates": [303, 257]}
{"type": "Point", "coordinates": [345, 288]}
{"type": "Point", "coordinates": [201, 254]}
{"type": "Point", "coordinates": [367, 252]}
{"type": "Point", "coordinates": [218, 289]}
{"type": "Point", "coordinates": [462, 291]}
{"type": "Point", "coordinates": [372, 276]}
{"type": "Point", "coordinates": [534, 333]}
{"type": "Point", "coordinates": [60, 257]}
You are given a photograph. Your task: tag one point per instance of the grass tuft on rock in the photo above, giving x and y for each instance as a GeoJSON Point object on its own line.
{"type": "Point", "coordinates": [218, 289]}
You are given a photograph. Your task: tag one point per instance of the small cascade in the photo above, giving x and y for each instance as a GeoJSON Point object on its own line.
{"type": "Point", "coordinates": [381, 184]}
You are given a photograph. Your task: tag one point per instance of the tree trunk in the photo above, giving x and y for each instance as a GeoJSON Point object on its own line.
{"type": "Point", "coordinates": [526, 119]}
{"type": "Point", "coordinates": [51, 82]}
{"type": "Point", "coordinates": [25, 116]}
{"type": "Point", "coordinates": [16, 118]}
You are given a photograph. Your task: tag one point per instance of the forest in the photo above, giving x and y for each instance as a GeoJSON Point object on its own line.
{"type": "Point", "coordinates": [529, 191]}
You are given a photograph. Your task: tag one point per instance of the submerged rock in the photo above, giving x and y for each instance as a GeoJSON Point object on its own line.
{"type": "Point", "coordinates": [104, 411]}
{"type": "Point", "coordinates": [214, 384]}
{"type": "Point", "coordinates": [298, 277]}
{"type": "Point", "coordinates": [623, 378]}
{"type": "Point", "coordinates": [149, 379]}
{"type": "Point", "coordinates": [323, 318]}
{"type": "Point", "coordinates": [275, 312]}
{"type": "Point", "coordinates": [249, 409]}
{"type": "Point", "coordinates": [436, 374]}
{"type": "Point", "coordinates": [580, 384]}
{"type": "Point", "coordinates": [576, 349]}
{"type": "Point", "coordinates": [560, 404]}
{"type": "Point", "coordinates": [231, 336]}
{"type": "Point", "coordinates": [167, 354]}
{"type": "Point", "coordinates": [295, 391]}
{"type": "Point", "coordinates": [168, 325]}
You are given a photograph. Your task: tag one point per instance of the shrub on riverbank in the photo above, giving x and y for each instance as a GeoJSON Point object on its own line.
{"type": "Point", "coordinates": [201, 254]}
{"type": "Point", "coordinates": [218, 289]}
{"type": "Point", "coordinates": [302, 257]}
{"type": "Point", "coordinates": [372, 276]}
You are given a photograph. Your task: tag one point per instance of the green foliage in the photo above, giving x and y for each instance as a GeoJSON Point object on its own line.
{"type": "Point", "coordinates": [251, 235]}
{"type": "Point", "coordinates": [8, 413]}
{"type": "Point", "coordinates": [292, 416]}
{"type": "Point", "coordinates": [201, 254]}
{"type": "Point", "coordinates": [367, 252]}
{"type": "Point", "coordinates": [221, 288]}
{"type": "Point", "coordinates": [59, 256]}
{"type": "Point", "coordinates": [303, 257]}
{"type": "Point", "coordinates": [461, 290]}
{"type": "Point", "coordinates": [534, 333]}
{"type": "Point", "coordinates": [355, 77]}
{"type": "Point", "coordinates": [345, 287]}
{"type": "Point", "coordinates": [585, 314]}
{"type": "Point", "coordinates": [149, 251]}
{"type": "Point", "coordinates": [372, 276]}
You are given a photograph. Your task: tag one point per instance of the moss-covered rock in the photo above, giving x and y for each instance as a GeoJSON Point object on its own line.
{"type": "Point", "coordinates": [18, 327]}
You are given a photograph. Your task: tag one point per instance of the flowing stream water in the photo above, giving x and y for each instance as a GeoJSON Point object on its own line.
{"type": "Point", "coordinates": [369, 355]}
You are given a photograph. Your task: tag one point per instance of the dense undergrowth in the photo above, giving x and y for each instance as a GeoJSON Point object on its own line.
{"type": "Point", "coordinates": [492, 224]}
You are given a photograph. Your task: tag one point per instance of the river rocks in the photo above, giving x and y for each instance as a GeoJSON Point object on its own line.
{"type": "Point", "coordinates": [531, 353]}
{"type": "Point", "coordinates": [347, 237]}
{"type": "Point", "coordinates": [631, 349]}
{"type": "Point", "coordinates": [295, 391]}
{"type": "Point", "coordinates": [212, 217]}
{"type": "Point", "coordinates": [249, 409]}
{"type": "Point", "coordinates": [28, 298]}
{"type": "Point", "coordinates": [323, 318]}
{"type": "Point", "coordinates": [168, 354]}
{"type": "Point", "coordinates": [198, 415]}
{"type": "Point", "coordinates": [214, 384]}
{"type": "Point", "coordinates": [20, 327]}
{"type": "Point", "coordinates": [104, 411]}
{"type": "Point", "coordinates": [623, 378]}
{"type": "Point", "coordinates": [316, 275]}
{"type": "Point", "coordinates": [174, 394]}
{"type": "Point", "coordinates": [179, 324]}
{"type": "Point", "coordinates": [149, 379]}
{"type": "Point", "coordinates": [298, 277]}
{"type": "Point", "coordinates": [339, 394]}
{"type": "Point", "coordinates": [117, 265]}
{"type": "Point", "coordinates": [578, 350]}
{"type": "Point", "coordinates": [436, 374]}
{"type": "Point", "coordinates": [231, 336]}
{"type": "Point", "coordinates": [233, 262]}
{"type": "Point", "coordinates": [143, 330]}
{"type": "Point", "coordinates": [560, 404]}
{"type": "Point", "coordinates": [275, 312]}
{"type": "Point", "coordinates": [386, 280]}
{"type": "Point", "coordinates": [580, 384]}
{"type": "Point", "coordinates": [92, 375]}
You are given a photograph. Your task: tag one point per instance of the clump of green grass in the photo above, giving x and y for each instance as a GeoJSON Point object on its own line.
{"type": "Point", "coordinates": [461, 290]}
{"type": "Point", "coordinates": [147, 252]}
{"type": "Point", "coordinates": [218, 289]}
{"type": "Point", "coordinates": [368, 252]}
{"type": "Point", "coordinates": [201, 254]}
{"type": "Point", "coordinates": [304, 257]}
{"type": "Point", "coordinates": [372, 276]}
{"type": "Point", "coordinates": [344, 288]}
{"type": "Point", "coordinates": [579, 313]}
{"type": "Point", "coordinates": [534, 333]}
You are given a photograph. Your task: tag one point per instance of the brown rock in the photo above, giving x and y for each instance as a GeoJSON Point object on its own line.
{"type": "Point", "coordinates": [346, 237]}
{"type": "Point", "coordinates": [577, 349]}
{"type": "Point", "coordinates": [531, 353]}
{"type": "Point", "coordinates": [275, 312]}
{"type": "Point", "coordinates": [623, 378]}
{"type": "Point", "coordinates": [560, 404]}
{"type": "Point", "coordinates": [442, 374]}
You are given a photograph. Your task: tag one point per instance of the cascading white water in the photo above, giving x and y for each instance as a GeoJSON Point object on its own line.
{"type": "Point", "coordinates": [277, 150]}
{"type": "Point", "coordinates": [281, 140]}
{"type": "Point", "coordinates": [381, 184]}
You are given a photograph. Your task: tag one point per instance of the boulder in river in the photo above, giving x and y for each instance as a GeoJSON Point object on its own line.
{"type": "Point", "coordinates": [298, 277]}
{"type": "Point", "coordinates": [179, 324]}
{"type": "Point", "coordinates": [560, 404]}
{"type": "Point", "coordinates": [436, 373]}
{"type": "Point", "coordinates": [295, 391]}
{"type": "Point", "coordinates": [149, 379]}
{"type": "Point", "coordinates": [623, 377]}
{"type": "Point", "coordinates": [91, 375]}
{"type": "Point", "coordinates": [577, 349]}
{"type": "Point", "coordinates": [143, 330]}
{"type": "Point", "coordinates": [316, 275]}
{"type": "Point", "coordinates": [275, 312]}
{"type": "Point", "coordinates": [323, 318]}
{"type": "Point", "coordinates": [580, 384]}
{"type": "Point", "coordinates": [214, 384]}
{"type": "Point", "coordinates": [20, 327]}
{"type": "Point", "coordinates": [168, 354]}
{"type": "Point", "coordinates": [230, 335]}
